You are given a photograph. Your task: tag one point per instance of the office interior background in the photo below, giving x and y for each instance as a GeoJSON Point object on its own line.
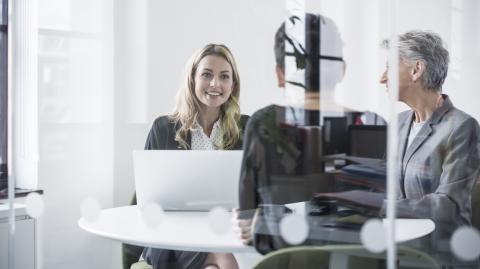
{"type": "Point", "coordinates": [87, 78]}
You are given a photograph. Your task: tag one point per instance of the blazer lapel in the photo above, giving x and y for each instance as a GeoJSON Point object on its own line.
{"type": "Point", "coordinates": [422, 135]}
{"type": "Point", "coordinates": [426, 131]}
{"type": "Point", "coordinates": [403, 134]}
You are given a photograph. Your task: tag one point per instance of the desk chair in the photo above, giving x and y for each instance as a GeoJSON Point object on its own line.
{"type": "Point", "coordinates": [476, 205]}
{"type": "Point", "coordinates": [341, 256]}
{"type": "Point", "coordinates": [141, 265]}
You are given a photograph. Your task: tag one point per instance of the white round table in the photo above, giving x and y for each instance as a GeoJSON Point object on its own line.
{"type": "Point", "coordinates": [188, 231]}
{"type": "Point", "coordinates": [191, 231]}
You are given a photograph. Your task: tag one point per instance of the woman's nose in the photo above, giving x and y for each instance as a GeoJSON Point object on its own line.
{"type": "Point", "coordinates": [383, 78]}
{"type": "Point", "coordinates": [213, 82]}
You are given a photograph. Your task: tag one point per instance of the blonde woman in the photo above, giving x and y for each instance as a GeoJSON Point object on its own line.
{"type": "Point", "coordinates": [207, 108]}
{"type": "Point", "coordinates": [206, 117]}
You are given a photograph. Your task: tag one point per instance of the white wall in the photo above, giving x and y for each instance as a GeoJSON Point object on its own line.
{"type": "Point", "coordinates": [246, 27]}
{"type": "Point", "coordinates": [173, 33]}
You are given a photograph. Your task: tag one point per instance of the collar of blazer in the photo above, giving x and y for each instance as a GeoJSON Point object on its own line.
{"type": "Point", "coordinates": [405, 125]}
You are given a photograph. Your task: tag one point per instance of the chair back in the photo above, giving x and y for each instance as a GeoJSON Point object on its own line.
{"type": "Point", "coordinates": [342, 256]}
{"type": "Point", "coordinates": [476, 205]}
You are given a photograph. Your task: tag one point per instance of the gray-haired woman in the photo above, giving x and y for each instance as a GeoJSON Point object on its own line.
{"type": "Point", "coordinates": [439, 145]}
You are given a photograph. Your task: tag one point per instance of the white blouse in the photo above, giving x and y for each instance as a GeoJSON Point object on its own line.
{"type": "Point", "coordinates": [414, 130]}
{"type": "Point", "coordinates": [200, 141]}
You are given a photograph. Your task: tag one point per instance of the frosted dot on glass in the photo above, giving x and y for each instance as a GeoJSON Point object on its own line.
{"type": "Point", "coordinates": [465, 243]}
{"type": "Point", "coordinates": [152, 214]}
{"type": "Point", "coordinates": [373, 235]}
{"type": "Point", "coordinates": [90, 209]}
{"type": "Point", "coordinates": [219, 220]}
{"type": "Point", "coordinates": [294, 228]}
{"type": "Point", "coordinates": [34, 205]}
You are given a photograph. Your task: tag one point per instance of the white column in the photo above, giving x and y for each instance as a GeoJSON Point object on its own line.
{"type": "Point", "coordinates": [24, 93]}
{"type": "Point", "coordinates": [392, 134]}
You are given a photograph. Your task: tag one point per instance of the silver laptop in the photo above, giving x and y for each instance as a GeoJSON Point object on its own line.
{"type": "Point", "coordinates": [189, 180]}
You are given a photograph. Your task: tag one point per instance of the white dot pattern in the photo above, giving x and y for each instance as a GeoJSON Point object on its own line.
{"type": "Point", "coordinates": [200, 141]}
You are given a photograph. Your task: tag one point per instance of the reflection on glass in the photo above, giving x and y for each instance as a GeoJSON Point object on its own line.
{"type": "Point", "coordinates": [373, 236]}
{"type": "Point", "coordinates": [465, 243]}
{"type": "Point", "coordinates": [296, 172]}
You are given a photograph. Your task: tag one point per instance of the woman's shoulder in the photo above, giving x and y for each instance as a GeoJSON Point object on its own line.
{"type": "Point", "coordinates": [460, 121]}
{"type": "Point", "coordinates": [164, 122]}
{"type": "Point", "coordinates": [162, 134]}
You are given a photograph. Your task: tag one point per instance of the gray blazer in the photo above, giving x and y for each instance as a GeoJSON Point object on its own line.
{"type": "Point", "coordinates": [439, 168]}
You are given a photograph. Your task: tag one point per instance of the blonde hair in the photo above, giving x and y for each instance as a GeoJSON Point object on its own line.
{"type": "Point", "coordinates": [187, 107]}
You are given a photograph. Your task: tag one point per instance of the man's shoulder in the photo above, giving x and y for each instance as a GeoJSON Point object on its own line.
{"type": "Point", "coordinates": [243, 119]}
{"type": "Point", "coordinates": [260, 114]}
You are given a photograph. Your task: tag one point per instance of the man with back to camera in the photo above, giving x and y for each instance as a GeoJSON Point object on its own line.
{"type": "Point", "coordinates": [282, 145]}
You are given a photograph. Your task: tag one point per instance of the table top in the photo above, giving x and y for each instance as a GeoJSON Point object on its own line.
{"type": "Point", "coordinates": [191, 231]}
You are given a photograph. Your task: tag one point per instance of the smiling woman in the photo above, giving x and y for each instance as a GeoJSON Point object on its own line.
{"type": "Point", "coordinates": [206, 117]}
{"type": "Point", "coordinates": [213, 82]}
{"type": "Point", "coordinates": [209, 97]}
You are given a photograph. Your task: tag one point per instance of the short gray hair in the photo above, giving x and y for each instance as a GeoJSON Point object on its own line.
{"type": "Point", "coordinates": [427, 47]}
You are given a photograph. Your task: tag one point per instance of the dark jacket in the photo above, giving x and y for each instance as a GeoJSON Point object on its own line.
{"type": "Point", "coordinates": [281, 161]}
{"type": "Point", "coordinates": [162, 134]}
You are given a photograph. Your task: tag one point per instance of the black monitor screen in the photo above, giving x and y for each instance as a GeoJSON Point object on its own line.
{"type": "Point", "coordinates": [334, 135]}
{"type": "Point", "coordinates": [367, 141]}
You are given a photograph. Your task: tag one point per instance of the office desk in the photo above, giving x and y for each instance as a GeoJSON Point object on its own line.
{"type": "Point", "coordinates": [190, 231]}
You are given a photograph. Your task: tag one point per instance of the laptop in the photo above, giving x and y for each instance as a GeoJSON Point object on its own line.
{"type": "Point", "coordinates": [187, 180]}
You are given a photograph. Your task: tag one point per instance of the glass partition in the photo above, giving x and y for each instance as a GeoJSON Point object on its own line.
{"type": "Point", "coordinates": [360, 148]}
{"type": "Point", "coordinates": [439, 169]}
{"type": "Point", "coordinates": [7, 227]}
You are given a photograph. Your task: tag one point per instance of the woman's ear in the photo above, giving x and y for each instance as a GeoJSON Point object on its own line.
{"type": "Point", "coordinates": [417, 70]}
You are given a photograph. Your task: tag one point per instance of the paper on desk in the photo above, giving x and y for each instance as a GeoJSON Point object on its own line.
{"type": "Point", "coordinates": [359, 160]}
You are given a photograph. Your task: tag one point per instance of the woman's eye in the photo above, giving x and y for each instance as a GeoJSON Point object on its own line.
{"type": "Point", "coordinates": [206, 75]}
{"type": "Point", "coordinates": [225, 76]}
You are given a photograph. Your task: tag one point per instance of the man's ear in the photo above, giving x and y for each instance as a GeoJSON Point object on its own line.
{"type": "Point", "coordinates": [417, 70]}
{"type": "Point", "coordinates": [344, 70]}
{"type": "Point", "coordinates": [280, 76]}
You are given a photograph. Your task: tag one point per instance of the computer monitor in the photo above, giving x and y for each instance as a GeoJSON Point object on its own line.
{"type": "Point", "coordinates": [367, 141]}
{"type": "Point", "coordinates": [335, 138]}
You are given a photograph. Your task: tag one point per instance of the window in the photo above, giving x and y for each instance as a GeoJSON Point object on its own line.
{"type": "Point", "coordinates": [3, 94]}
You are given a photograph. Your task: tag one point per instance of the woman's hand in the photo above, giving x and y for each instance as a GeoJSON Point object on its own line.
{"type": "Point", "coordinates": [242, 227]}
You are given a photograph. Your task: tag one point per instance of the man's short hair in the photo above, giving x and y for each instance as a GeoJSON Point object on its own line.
{"type": "Point", "coordinates": [322, 41]}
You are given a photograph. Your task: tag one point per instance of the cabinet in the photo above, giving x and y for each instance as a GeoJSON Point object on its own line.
{"type": "Point", "coordinates": [24, 238]}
